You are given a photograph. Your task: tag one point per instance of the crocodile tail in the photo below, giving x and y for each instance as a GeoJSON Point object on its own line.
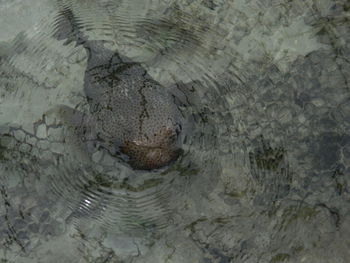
{"type": "Point", "coordinates": [68, 26]}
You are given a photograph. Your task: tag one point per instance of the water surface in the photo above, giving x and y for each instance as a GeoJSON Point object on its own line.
{"type": "Point", "coordinates": [264, 174]}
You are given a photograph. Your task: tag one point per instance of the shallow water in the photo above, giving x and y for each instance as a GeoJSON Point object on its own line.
{"type": "Point", "coordinates": [264, 173]}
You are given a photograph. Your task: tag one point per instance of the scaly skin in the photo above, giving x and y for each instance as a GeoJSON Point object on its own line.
{"type": "Point", "coordinates": [131, 113]}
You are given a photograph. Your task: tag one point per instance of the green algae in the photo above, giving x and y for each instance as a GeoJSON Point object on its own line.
{"type": "Point", "coordinates": [294, 213]}
{"type": "Point", "coordinates": [282, 257]}
{"type": "Point", "coordinates": [268, 158]}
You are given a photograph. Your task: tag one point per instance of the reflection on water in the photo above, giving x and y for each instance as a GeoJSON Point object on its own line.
{"type": "Point", "coordinates": [263, 92]}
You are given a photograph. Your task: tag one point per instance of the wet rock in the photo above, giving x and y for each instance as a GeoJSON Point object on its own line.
{"type": "Point", "coordinates": [19, 223]}
{"type": "Point", "coordinates": [7, 141]}
{"type": "Point", "coordinates": [326, 150]}
{"type": "Point", "coordinates": [346, 147]}
{"type": "Point", "coordinates": [41, 131]}
{"type": "Point", "coordinates": [22, 235]}
{"type": "Point", "coordinates": [19, 135]}
{"type": "Point", "coordinates": [285, 115]}
{"type": "Point", "coordinates": [318, 102]}
{"type": "Point", "coordinates": [25, 148]}
{"type": "Point", "coordinates": [33, 228]}
{"type": "Point", "coordinates": [44, 217]}
{"type": "Point", "coordinates": [96, 156]}
{"type": "Point", "coordinates": [47, 230]}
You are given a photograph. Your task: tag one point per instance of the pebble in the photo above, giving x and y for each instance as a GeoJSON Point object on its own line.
{"type": "Point", "coordinates": [7, 142]}
{"type": "Point", "coordinates": [19, 135]}
{"type": "Point", "coordinates": [57, 147]}
{"type": "Point", "coordinates": [301, 118]}
{"type": "Point", "coordinates": [318, 102]}
{"type": "Point", "coordinates": [108, 160]}
{"type": "Point", "coordinates": [55, 134]}
{"type": "Point", "coordinates": [285, 115]}
{"type": "Point", "coordinates": [24, 148]}
{"type": "Point", "coordinates": [34, 228]}
{"type": "Point", "coordinates": [41, 131]}
{"type": "Point", "coordinates": [43, 145]}
{"type": "Point", "coordinates": [31, 140]}
{"type": "Point", "coordinates": [96, 157]}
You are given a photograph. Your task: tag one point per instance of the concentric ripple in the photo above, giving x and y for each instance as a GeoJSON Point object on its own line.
{"type": "Point", "coordinates": [263, 88]}
{"type": "Point", "coordinates": [180, 53]}
{"type": "Point", "coordinates": [106, 191]}
{"type": "Point", "coordinates": [118, 206]}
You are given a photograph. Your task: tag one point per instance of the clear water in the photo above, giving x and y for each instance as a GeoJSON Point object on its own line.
{"type": "Point", "coordinates": [264, 174]}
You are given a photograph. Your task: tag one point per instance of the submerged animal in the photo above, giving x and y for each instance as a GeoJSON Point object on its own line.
{"type": "Point", "coordinates": [131, 114]}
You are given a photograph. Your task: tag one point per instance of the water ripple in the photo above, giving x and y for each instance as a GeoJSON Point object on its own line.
{"type": "Point", "coordinates": [229, 97]}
